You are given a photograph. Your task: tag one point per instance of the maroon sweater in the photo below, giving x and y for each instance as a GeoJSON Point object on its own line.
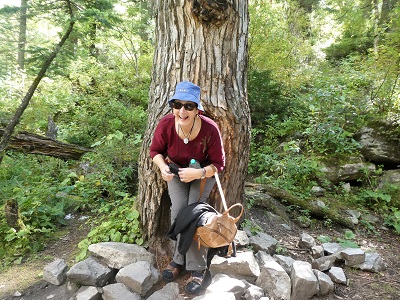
{"type": "Point", "coordinates": [206, 148]}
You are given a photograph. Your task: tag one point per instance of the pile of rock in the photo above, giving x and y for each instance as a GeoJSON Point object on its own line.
{"type": "Point", "coordinates": [125, 271]}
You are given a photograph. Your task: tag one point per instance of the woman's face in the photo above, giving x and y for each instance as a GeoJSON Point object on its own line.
{"type": "Point", "coordinates": [184, 112]}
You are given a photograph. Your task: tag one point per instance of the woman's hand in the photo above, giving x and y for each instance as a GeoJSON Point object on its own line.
{"type": "Point", "coordinates": [189, 174]}
{"type": "Point", "coordinates": [166, 173]}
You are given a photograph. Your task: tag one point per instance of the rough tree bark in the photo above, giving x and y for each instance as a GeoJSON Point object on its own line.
{"type": "Point", "coordinates": [204, 42]}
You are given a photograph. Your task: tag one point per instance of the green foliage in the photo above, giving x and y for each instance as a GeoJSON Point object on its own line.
{"type": "Point", "coordinates": [47, 189]}
{"type": "Point", "coordinates": [278, 40]}
{"type": "Point", "coordinates": [348, 240]}
{"type": "Point", "coordinates": [328, 138]}
{"type": "Point", "coordinates": [393, 191]}
{"type": "Point", "coordinates": [100, 118]}
{"type": "Point", "coordinates": [324, 239]}
{"type": "Point", "coordinates": [252, 226]}
{"type": "Point", "coordinates": [265, 97]}
{"type": "Point", "coordinates": [393, 219]}
{"type": "Point", "coordinates": [117, 222]}
{"type": "Point", "coordinates": [31, 181]}
{"type": "Point", "coordinates": [303, 216]}
{"type": "Point", "coordinates": [347, 47]}
{"type": "Point", "coordinates": [333, 117]}
{"type": "Point", "coordinates": [374, 199]}
{"type": "Point", "coordinates": [286, 168]}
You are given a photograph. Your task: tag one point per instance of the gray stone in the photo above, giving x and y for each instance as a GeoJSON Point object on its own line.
{"type": "Point", "coordinates": [139, 277]}
{"type": "Point", "coordinates": [273, 278]}
{"type": "Point", "coordinates": [325, 283]}
{"type": "Point", "coordinates": [370, 218]}
{"type": "Point", "coordinates": [318, 191]}
{"type": "Point", "coordinates": [226, 284]}
{"type": "Point", "coordinates": [285, 261]}
{"type": "Point", "coordinates": [354, 171]}
{"type": "Point", "coordinates": [330, 248]}
{"type": "Point", "coordinates": [324, 263]}
{"type": "Point", "coordinates": [216, 296]}
{"type": "Point", "coordinates": [243, 266]}
{"type": "Point", "coordinates": [88, 293]}
{"type": "Point", "coordinates": [118, 255]}
{"type": "Point", "coordinates": [317, 251]}
{"type": "Point", "coordinates": [287, 227]}
{"type": "Point", "coordinates": [319, 204]}
{"type": "Point", "coordinates": [337, 275]}
{"type": "Point", "coordinates": [354, 215]}
{"type": "Point", "coordinates": [350, 170]}
{"type": "Point", "coordinates": [169, 292]}
{"type": "Point", "coordinates": [90, 272]}
{"type": "Point", "coordinates": [373, 263]}
{"type": "Point", "coordinates": [241, 238]}
{"type": "Point", "coordinates": [389, 177]}
{"type": "Point", "coordinates": [263, 242]}
{"type": "Point", "coordinates": [252, 292]}
{"type": "Point", "coordinates": [377, 147]}
{"type": "Point", "coordinates": [306, 241]}
{"type": "Point", "coordinates": [118, 291]}
{"type": "Point", "coordinates": [346, 187]}
{"type": "Point", "coordinates": [353, 256]}
{"type": "Point", "coordinates": [55, 272]}
{"type": "Point", "coordinates": [304, 282]}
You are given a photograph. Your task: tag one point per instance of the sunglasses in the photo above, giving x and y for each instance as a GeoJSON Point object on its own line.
{"type": "Point", "coordinates": [187, 106]}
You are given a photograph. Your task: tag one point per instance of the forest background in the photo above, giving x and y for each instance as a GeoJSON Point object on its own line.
{"type": "Point", "coordinates": [319, 69]}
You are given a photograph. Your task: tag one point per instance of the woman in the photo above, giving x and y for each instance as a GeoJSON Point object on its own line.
{"type": "Point", "coordinates": [180, 138]}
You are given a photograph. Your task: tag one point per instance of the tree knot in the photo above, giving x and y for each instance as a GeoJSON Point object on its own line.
{"type": "Point", "coordinates": [212, 11]}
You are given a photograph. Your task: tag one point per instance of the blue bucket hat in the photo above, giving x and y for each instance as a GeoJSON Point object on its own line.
{"type": "Point", "coordinates": [187, 91]}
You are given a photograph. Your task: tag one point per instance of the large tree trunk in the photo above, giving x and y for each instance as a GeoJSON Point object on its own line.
{"type": "Point", "coordinates": [208, 46]}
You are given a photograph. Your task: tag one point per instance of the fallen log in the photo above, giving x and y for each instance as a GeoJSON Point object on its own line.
{"type": "Point", "coordinates": [287, 198]}
{"type": "Point", "coordinates": [31, 143]}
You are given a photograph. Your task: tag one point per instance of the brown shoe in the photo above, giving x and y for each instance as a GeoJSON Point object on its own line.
{"type": "Point", "coordinates": [172, 271]}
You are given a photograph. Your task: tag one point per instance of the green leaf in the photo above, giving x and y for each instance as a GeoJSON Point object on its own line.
{"type": "Point", "coordinates": [132, 215]}
{"type": "Point", "coordinates": [324, 239]}
{"type": "Point", "coordinates": [119, 135]}
{"type": "Point", "coordinates": [72, 175]}
{"type": "Point", "coordinates": [347, 244]}
{"type": "Point", "coordinates": [81, 255]}
{"type": "Point", "coordinates": [116, 237]}
{"type": "Point", "coordinates": [397, 227]}
{"type": "Point", "coordinates": [96, 144]}
{"type": "Point", "coordinates": [349, 235]}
